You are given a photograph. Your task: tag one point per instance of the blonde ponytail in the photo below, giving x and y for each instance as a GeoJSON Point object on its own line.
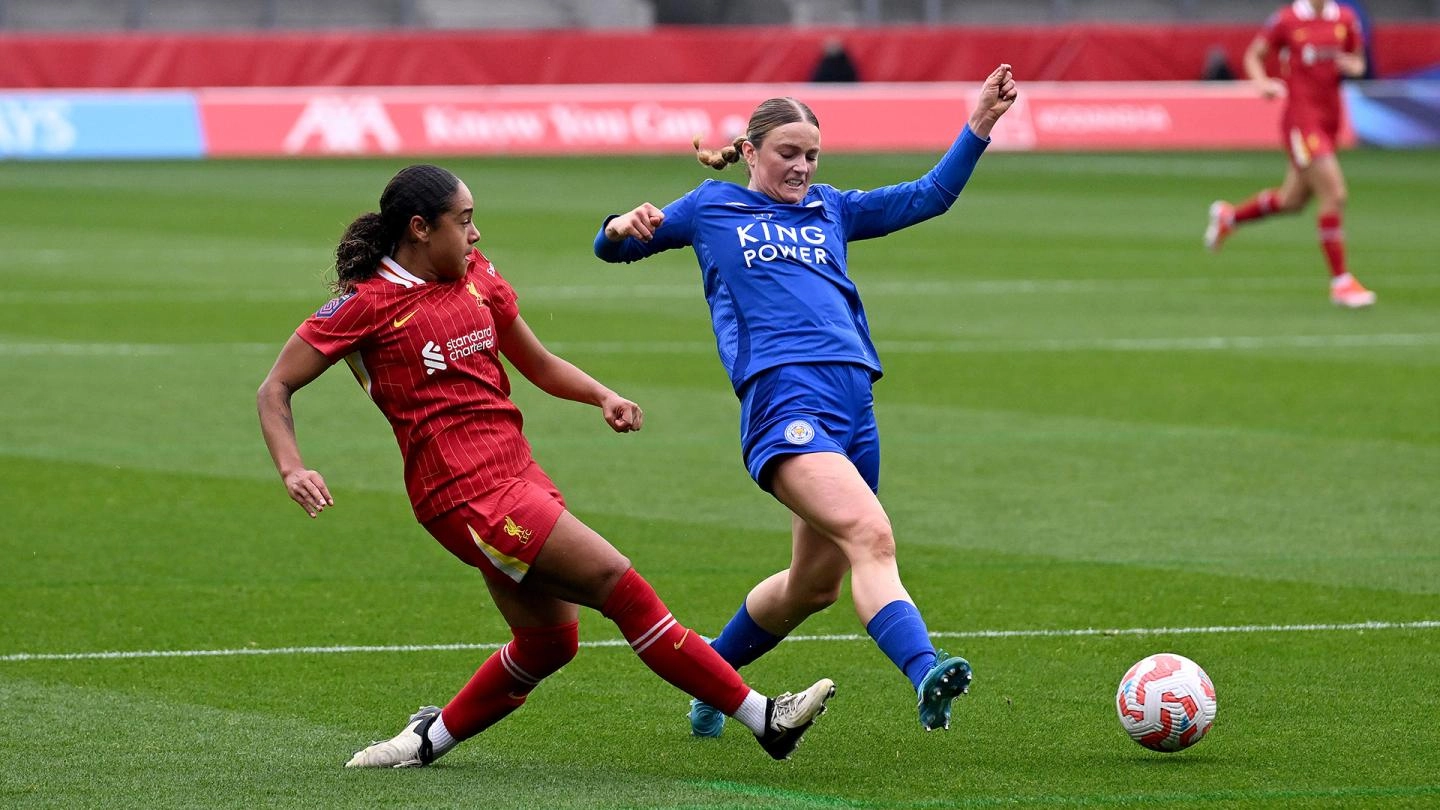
{"type": "Point", "coordinates": [718, 159]}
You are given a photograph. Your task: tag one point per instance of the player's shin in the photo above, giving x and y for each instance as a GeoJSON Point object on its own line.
{"type": "Point", "coordinates": [671, 650]}
{"type": "Point", "coordinates": [502, 683]}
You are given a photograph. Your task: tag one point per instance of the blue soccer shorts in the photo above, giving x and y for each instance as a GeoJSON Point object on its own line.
{"type": "Point", "coordinates": [809, 408]}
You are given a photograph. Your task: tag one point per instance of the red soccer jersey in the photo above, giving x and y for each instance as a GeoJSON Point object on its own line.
{"type": "Point", "coordinates": [1307, 44]}
{"type": "Point", "coordinates": [428, 354]}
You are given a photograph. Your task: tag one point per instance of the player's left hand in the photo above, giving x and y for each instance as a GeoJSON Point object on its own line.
{"type": "Point", "coordinates": [1350, 65]}
{"type": "Point", "coordinates": [622, 415]}
{"type": "Point", "coordinates": [997, 95]}
{"type": "Point", "coordinates": [307, 488]}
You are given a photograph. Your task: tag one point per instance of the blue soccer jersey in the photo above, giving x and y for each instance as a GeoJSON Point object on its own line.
{"type": "Point", "coordinates": [775, 273]}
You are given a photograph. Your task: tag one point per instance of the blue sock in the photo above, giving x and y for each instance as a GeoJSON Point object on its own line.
{"type": "Point", "coordinates": [743, 641]}
{"type": "Point", "coordinates": [900, 633]}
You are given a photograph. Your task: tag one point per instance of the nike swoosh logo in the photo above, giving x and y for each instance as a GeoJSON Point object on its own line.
{"type": "Point", "coordinates": [399, 322]}
{"type": "Point", "coordinates": [682, 639]}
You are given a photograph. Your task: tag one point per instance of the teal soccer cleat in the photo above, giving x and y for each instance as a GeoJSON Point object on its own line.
{"type": "Point", "coordinates": [705, 720]}
{"type": "Point", "coordinates": [949, 678]}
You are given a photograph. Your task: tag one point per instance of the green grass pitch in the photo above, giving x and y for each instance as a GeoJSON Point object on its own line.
{"type": "Point", "coordinates": [1100, 442]}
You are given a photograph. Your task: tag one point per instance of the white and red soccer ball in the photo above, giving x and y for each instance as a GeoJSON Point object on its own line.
{"type": "Point", "coordinates": [1166, 702]}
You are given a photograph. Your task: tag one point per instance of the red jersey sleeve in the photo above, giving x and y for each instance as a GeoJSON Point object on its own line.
{"type": "Point", "coordinates": [339, 326]}
{"type": "Point", "coordinates": [1354, 37]}
{"type": "Point", "coordinates": [1275, 32]}
{"type": "Point", "coordinates": [500, 296]}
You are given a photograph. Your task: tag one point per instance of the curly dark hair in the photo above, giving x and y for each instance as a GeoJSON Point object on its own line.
{"type": "Point", "coordinates": [422, 190]}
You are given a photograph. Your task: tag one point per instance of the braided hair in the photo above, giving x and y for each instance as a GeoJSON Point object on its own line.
{"type": "Point", "coordinates": [772, 113]}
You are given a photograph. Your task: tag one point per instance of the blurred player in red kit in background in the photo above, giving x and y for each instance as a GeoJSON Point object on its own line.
{"type": "Point", "coordinates": [1318, 42]}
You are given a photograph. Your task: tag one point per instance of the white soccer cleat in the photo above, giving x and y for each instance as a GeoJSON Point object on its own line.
{"type": "Point", "coordinates": [1351, 294]}
{"type": "Point", "coordinates": [1222, 224]}
{"type": "Point", "coordinates": [409, 749]}
{"type": "Point", "coordinates": [789, 716]}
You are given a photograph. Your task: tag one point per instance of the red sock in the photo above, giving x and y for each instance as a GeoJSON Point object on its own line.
{"type": "Point", "coordinates": [1332, 241]}
{"type": "Point", "coordinates": [674, 652]}
{"type": "Point", "coordinates": [502, 683]}
{"type": "Point", "coordinates": [1263, 204]}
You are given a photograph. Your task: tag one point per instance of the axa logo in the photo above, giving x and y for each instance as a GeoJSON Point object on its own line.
{"type": "Point", "coordinates": [343, 125]}
{"type": "Point", "coordinates": [433, 357]}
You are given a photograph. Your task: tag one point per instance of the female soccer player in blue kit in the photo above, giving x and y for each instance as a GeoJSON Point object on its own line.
{"type": "Point", "coordinates": [793, 336]}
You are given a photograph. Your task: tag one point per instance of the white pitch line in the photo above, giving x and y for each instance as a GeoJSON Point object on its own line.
{"type": "Point", "coordinates": [1059, 633]}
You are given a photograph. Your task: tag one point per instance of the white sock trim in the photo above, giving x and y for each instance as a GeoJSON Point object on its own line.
{"type": "Point", "coordinates": [752, 712]}
{"type": "Point", "coordinates": [441, 740]}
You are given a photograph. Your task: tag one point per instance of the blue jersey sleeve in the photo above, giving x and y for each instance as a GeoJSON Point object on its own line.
{"type": "Point", "coordinates": [678, 230]}
{"type": "Point", "coordinates": [884, 210]}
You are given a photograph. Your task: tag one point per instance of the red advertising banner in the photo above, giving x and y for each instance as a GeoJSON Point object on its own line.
{"type": "Point", "coordinates": [665, 55]}
{"type": "Point", "coordinates": [605, 119]}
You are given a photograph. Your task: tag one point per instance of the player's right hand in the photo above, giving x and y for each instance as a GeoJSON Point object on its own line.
{"type": "Point", "coordinates": [997, 95]}
{"type": "Point", "coordinates": [639, 223]}
{"type": "Point", "coordinates": [307, 488]}
{"type": "Point", "coordinates": [1272, 88]}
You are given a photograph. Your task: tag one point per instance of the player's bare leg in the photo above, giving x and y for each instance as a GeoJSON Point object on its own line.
{"type": "Point", "coordinates": [785, 599]}
{"type": "Point", "coordinates": [1328, 183]}
{"type": "Point", "coordinates": [581, 567]}
{"type": "Point", "coordinates": [830, 496]}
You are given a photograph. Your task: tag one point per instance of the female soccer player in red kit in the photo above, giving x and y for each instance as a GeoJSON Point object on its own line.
{"type": "Point", "coordinates": [1318, 43]}
{"type": "Point", "coordinates": [422, 319]}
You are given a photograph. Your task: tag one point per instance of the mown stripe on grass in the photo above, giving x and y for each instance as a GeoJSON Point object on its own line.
{"type": "Point", "coordinates": [1199, 343]}
{"type": "Point", "coordinates": [1226, 797]}
{"type": "Point", "coordinates": [778, 797]}
{"type": "Point", "coordinates": [790, 798]}
{"type": "Point", "coordinates": [628, 292]}
{"type": "Point", "coordinates": [1426, 624]}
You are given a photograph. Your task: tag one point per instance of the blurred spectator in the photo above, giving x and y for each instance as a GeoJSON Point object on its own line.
{"type": "Point", "coordinates": [835, 64]}
{"type": "Point", "coordinates": [1217, 65]}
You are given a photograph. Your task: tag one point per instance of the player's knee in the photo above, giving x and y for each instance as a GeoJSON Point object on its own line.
{"type": "Point", "coordinates": [542, 651]}
{"type": "Point", "coordinates": [605, 574]}
{"type": "Point", "coordinates": [872, 538]}
{"type": "Point", "coordinates": [813, 597]}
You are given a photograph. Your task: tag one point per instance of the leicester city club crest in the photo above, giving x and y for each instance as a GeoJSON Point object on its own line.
{"type": "Point", "coordinates": [799, 432]}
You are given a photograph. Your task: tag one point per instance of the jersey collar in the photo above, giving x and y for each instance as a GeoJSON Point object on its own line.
{"type": "Point", "coordinates": [1305, 11]}
{"type": "Point", "coordinates": [391, 271]}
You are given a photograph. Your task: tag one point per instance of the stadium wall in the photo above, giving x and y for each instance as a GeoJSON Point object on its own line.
{"type": "Point", "coordinates": [679, 55]}
{"type": "Point", "coordinates": [662, 119]}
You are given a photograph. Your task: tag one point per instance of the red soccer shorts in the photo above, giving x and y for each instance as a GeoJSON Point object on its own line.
{"type": "Point", "coordinates": [502, 531]}
{"type": "Point", "coordinates": [1305, 143]}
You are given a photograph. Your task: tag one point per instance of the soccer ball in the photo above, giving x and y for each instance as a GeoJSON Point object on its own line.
{"type": "Point", "coordinates": [1166, 702]}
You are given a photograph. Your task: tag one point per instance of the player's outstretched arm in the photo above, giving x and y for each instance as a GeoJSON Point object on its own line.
{"type": "Point", "coordinates": [997, 95]}
{"type": "Point", "coordinates": [562, 379]}
{"type": "Point", "coordinates": [298, 365]}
